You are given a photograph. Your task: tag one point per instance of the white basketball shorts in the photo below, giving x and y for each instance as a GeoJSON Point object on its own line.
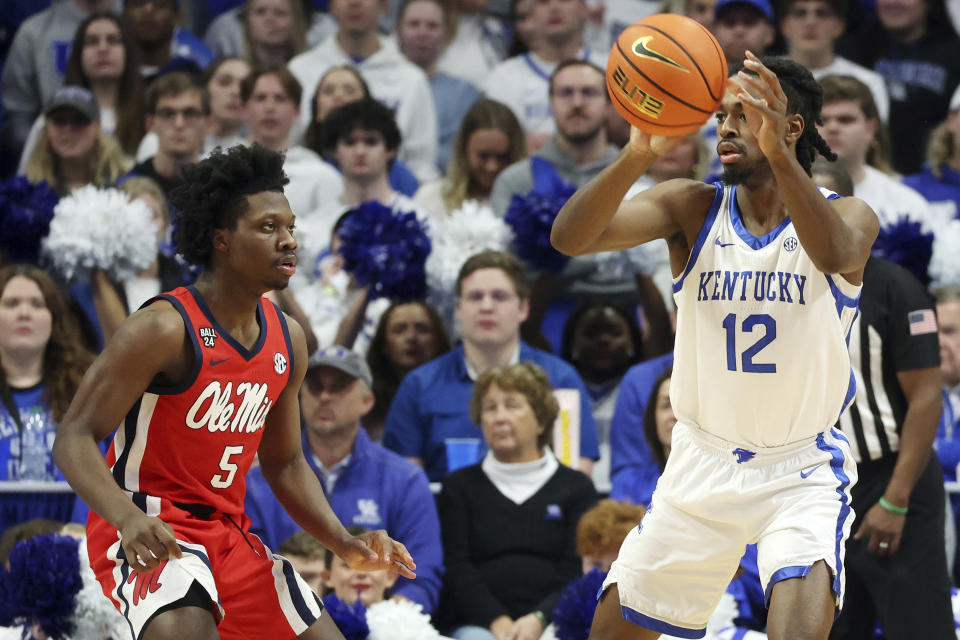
{"type": "Point", "coordinates": [713, 499]}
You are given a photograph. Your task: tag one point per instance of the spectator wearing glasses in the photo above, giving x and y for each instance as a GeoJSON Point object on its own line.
{"type": "Point", "coordinates": [554, 30]}
{"type": "Point", "coordinates": [177, 108]}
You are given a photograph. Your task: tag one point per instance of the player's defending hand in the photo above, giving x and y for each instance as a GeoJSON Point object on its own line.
{"type": "Point", "coordinates": [642, 143]}
{"type": "Point", "coordinates": [374, 551]}
{"type": "Point", "coordinates": [147, 541]}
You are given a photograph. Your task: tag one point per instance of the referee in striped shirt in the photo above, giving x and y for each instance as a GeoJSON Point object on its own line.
{"type": "Point", "coordinates": [896, 559]}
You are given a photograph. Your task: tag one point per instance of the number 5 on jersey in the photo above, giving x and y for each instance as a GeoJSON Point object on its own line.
{"type": "Point", "coordinates": [751, 322]}
{"type": "Point", "coordinates": [224, 480]}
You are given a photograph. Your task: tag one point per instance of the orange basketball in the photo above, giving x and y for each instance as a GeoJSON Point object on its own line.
{"type": "Point", "coordinates": [666, 74]}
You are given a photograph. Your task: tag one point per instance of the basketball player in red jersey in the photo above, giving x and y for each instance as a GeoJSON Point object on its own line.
{"type": "Point", "coordinates": [201, 380]}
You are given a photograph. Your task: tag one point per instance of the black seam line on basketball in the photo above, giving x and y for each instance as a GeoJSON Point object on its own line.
{"type": "Point", "coordinates": [720, 54]}
{"type": "Point", "coordinates": [627, 106]}
{"type": "Point", "coordinates": [647, 120]}
{"type": "Point", "coordinates": [686, 53]}
{"type": "Point", "coordinates": [678, 99]}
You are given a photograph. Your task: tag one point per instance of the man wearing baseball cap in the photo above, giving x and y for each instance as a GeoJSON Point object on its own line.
{"type": "Point", "coordinates": [365, 484]}
{"type": "Point", "coordinates": [744, 25]}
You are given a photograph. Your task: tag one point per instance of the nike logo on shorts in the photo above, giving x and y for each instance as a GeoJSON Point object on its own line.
{"type": "Point", "coordinates": [810, 471]}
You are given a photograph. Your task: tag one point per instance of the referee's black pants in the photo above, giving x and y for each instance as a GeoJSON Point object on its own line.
{"type": "Point", "coordinates": [908, 592]}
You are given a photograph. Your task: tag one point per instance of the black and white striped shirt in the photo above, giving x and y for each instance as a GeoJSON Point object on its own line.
{"type": "Point", "coordinates": [892, 333]}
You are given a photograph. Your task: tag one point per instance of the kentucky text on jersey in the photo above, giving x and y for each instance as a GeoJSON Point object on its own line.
{"type": "Point", "coordinates": [754, 285]}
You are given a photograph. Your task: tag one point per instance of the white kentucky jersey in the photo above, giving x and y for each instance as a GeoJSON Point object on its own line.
{"type": "Point", "coordinates": [761, 349]}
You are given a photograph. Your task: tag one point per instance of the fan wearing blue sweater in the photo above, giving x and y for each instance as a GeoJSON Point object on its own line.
{"type": "Point", "coordinates": [365, 484]}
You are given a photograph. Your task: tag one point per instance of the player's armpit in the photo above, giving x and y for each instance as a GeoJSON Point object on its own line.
{"type": "Point", "coordinates": [280, 445]}
{"type": "Point", "coordinates": [864, 226]}
{"type": "Point", "coordinates": [150, 343]}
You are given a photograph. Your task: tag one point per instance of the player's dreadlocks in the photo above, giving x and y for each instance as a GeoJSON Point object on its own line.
{"type": "Point", "coordinates": [213, 192]}
{"type": "Point", "coordinates": [804, 97]}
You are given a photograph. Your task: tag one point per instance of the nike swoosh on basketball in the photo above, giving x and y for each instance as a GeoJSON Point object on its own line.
{"type": "Point", "coordinates": [641, 49]}
{"type": "Point", "coordinates": [724, 244]}
{"type": "Point", "coordinates": [810, 472]}
{"type": "Point", "coordinates": [214, 363]}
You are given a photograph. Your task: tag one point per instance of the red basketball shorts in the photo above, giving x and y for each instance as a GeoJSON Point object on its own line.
{"type": "Point", "coordinates": [253, 592]}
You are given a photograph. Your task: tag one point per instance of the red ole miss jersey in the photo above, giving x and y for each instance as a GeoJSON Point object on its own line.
{"type": "Point", "coordinates": [195, 442]}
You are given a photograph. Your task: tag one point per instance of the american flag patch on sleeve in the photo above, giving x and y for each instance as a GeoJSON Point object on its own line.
{"type": "Point", "coordinates": [922, 322]}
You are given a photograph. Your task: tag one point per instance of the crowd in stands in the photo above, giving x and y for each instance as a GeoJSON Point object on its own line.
{"type": "Point", "coordinates": [472, 114]}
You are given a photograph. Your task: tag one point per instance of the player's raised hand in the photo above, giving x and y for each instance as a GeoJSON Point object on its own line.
{"type": "Point", "coordinates": [764, 104]}
{"type": "Point", "coordinates": [375, 550]}
{"type": "Point", "coordinates": [643, 143]}
{"type": "Point", "coordinates": [147, 541]}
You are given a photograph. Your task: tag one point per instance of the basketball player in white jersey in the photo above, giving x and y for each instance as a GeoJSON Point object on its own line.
{"type": "Point", "coordinates": [767, 277]}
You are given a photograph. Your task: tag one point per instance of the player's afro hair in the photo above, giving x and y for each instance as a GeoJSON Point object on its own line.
{"type": "Point", "coordinates": [805, 97]}
{"type": "Point", "coordinates": [213, 195]}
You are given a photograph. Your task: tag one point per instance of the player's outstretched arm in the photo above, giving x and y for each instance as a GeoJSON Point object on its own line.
{"type": "Point", "coordinates": [285, 469]}
{"type": "Point", "coordinates": [836, 234]}
{"type": "Point", "coordinates": [149, 343]}
{"type": "Point", "coordinates": [596, 218]}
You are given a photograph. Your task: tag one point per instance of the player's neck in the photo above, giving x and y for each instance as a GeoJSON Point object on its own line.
{"type": "Point", "coordinates": [233, 305]}
{"type": "Point", "coordinates": [813, 59]}
{"type": "Point", "coordinates": [761, 208]}
{"type": "Point", "coordinates": [483, 357]}
{"type": "Point", "coordinates": [22, 368]}
{"type": "Point", "coordinates": [330, 448]}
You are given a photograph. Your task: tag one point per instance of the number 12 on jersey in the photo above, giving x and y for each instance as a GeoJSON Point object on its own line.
{"type": "Point", "coordinates": [749, 324]}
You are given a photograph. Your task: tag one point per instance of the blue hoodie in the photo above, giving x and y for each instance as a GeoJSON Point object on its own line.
{"type": "Point", "coordinates": [378, 489]}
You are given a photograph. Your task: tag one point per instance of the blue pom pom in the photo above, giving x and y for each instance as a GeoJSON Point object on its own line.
{"type": "Point", "coordinates": [531, 216]}
{"type": "Point", "coordinates": [351, 619]}
{"type": "Point", "coordinates": [43, 583]}
{"type": "Point", "coordinates": [573, 614]}
{"type": "Point", "coordinates": [386, 249]}
{"type": "Point", "coordinates": [905, 243]}
{"type": "Point", "coordinates": [26, 210]}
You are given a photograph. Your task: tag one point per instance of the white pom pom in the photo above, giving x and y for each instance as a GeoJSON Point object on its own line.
{"type": "Point", "coordinates": [95, 616]}
{"type": "Point", "coordinates": [399, 620]}
{"type": "Point", "coordinates": [467, 231]}
{"type": "Point", "coordinates": [101, 229]}
{"type": "Point", "coordinates": [944, 269]}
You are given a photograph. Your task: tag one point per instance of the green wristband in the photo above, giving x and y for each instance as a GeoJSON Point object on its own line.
{"type": "Point", "coordinates": [900, 511]}
{"type": "Point", "coordinates": [542, 618]}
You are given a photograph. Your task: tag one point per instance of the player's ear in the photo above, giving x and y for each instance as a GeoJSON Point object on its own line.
{"type": "Point", "coordinates": [221, 239]}
{"type": "Point", "coordinates": [794, 129]}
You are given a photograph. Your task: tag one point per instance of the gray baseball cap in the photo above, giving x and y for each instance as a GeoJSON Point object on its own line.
{"type": "Point", "coordinates": [350, 362]}
{"type": "Point", "coordinates": [76, 98]}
